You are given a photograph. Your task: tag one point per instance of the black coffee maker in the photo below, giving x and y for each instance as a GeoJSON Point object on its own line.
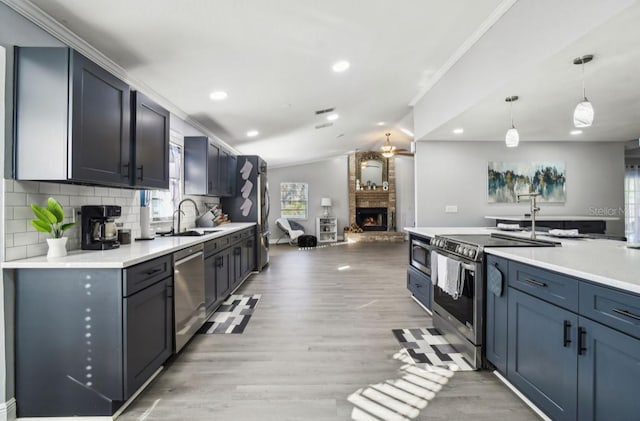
{"type": "Point", "coordinates": [99, 230]}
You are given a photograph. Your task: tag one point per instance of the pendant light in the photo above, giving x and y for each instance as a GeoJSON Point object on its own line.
{"type": "Point", "coordinates": [512, 138]}
{"type": "Point", "coordinates": [583, 114]}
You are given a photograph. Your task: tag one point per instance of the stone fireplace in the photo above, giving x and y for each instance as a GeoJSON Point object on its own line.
{"type": "Point", "coordinates": [372, 206]}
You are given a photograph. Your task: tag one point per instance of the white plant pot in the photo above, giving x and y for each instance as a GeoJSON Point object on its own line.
{"type": "Point", "coordinates": [57, 247]}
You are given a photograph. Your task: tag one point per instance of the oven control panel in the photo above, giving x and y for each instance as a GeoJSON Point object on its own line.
{"type": "Point", "coordinates": [466, 251]}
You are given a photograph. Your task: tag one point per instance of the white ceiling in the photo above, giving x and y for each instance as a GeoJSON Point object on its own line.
{"type": "Point", "coordinates": [274, 59]}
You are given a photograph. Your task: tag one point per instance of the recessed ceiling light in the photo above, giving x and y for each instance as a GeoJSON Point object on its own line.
{"type": "Point", "coordinates": [407, 132]}
{"type": "Point", "coordinates": [458, 131]}
{"type": "Point", "coordinates": [575, 132]}
{"type": "Point", "coordinates": [380, 123]}
{"type": "Point", "coordinates": [332, 117]}
{"type": "Point", "coordinates": [252, 133]}
{"type": "Point", "coordinates": [340, 66]}
{"type": "Point", "coordinates": [218, 95]}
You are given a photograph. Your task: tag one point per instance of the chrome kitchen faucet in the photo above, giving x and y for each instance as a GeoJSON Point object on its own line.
{"type": "Point", "coordinates": [534, 209]}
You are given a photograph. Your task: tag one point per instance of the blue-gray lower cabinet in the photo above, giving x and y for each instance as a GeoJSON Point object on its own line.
{"type": "Point", "coordinates": [542, 350]}
{"type": "Point", "coordinates": [420, 286]}
{"type": "Point", "coordinates": [87, 339]}
{"type": "Point", "coordinates": [496, 319]}
{"type": "Point", "coordinates": [609, 374]}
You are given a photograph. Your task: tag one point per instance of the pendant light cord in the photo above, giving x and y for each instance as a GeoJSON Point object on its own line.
{"type": "Point", "coordinates": [512, 126]}
{"type": "Point", "coordinates": [584, 91]}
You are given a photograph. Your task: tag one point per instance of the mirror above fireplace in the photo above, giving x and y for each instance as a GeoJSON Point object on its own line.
{"type": "Point", "coordinates": [371, 170]}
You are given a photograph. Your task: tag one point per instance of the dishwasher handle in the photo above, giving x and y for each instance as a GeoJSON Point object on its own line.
{"type": "Point", "coordinates": [190, 257]}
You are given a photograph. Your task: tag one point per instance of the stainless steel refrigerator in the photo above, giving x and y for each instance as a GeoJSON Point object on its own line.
{"type": "Point", "coordinates": [251, 202]}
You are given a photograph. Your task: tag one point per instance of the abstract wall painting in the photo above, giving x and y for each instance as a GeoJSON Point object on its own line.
{"type": "Point", "coordinates": [505, 180]}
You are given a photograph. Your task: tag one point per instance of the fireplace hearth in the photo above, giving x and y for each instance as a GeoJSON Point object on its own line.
{"type": "Point", "coordinates": [372, 219]}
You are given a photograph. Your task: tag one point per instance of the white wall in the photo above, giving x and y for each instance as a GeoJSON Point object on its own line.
{"type": "Point", "coordinates": [328, 178]}
{"type": "Point", "coordinates": [455, 173]}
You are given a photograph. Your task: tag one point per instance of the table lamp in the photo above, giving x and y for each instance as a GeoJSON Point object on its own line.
{"type": "Point", "coordinates": [325, 202]}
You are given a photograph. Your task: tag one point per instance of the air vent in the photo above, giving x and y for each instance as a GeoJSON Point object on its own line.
{"type": "Point", "coordinates": [323, 125]}
{"type": "Point", "coordinates": [328, 110]}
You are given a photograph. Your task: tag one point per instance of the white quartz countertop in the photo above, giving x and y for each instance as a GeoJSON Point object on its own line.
{"type": "Point", "coordinates": [606, 262]}
{"type": "Point", "coordinates": [553, 218]}
{"type": "Point", "coordinates": [124, 256]}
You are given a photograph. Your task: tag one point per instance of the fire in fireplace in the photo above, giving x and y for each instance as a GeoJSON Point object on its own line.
{"type": "Point", "coordinates": [372, 219]}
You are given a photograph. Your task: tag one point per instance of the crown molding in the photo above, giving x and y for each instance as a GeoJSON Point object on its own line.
{"type": "Point", "coordinates": [56, 29]}
{"type": "Point", "coordinates": [494, 17]}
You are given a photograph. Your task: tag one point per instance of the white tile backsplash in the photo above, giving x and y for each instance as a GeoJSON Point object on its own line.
{"type": "Point", "coordinates": [22, 240]}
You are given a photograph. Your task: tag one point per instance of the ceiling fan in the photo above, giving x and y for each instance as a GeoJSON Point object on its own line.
{"type": "Point", "coordinates": [389, 150]}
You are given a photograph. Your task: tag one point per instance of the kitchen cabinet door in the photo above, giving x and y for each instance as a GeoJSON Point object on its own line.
{"type": "Point", "coordinates": [148, 337]}
{"type": "Point", "coordinates": [248, 256]}
{"type": "Point", "coordinates": [213, 170]}
{"type": "Point", "coordinates": [232, 165]}
{"type": "Point", "coordinates": [235, 269]}
{"type": "Point", "coordinates": [542, 347]}
{"type": "Point", "coordinates": [420, 286]}
{"type": "Point", "coordinates": [609, 374]}
{"type": "Point", "coordinates": [223, 275]}
{"type": "Point", "coordinates": [100, 129]}
{"type": "Point", "coordinates": [150, 127]}
{"type": "Point", "coordinates": [496, 319]}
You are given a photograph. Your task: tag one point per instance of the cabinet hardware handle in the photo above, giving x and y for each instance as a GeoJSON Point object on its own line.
{"type": "Point", "coordinates": [582, 339]}
{"type": "Point", "coordinates": [536, 283]}
{"type": "Point", "coordinates": [219, 262]}
{"type": "Point", "coordinates": [153, 271]}
{"type": "Point", "coordinates": [125, 171]}
{"type": "Point", "coordinates": [236, 251]}
{"type": "Point", "coordinates": [141, 170]}
{"type": "Point", "coordinates": [626, 313]}
{"type": "Point", "coordinates": [567, 333]}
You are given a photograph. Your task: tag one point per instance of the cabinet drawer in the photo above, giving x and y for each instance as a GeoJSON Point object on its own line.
{"type": "Point", "coordinates": [549, 286]}
{"type": "Point", "coordinates": [148, 273]}
{"type": "Point", "coordinates": [616, 309]}
{"type": "Point", "coordinates": [420, 286]}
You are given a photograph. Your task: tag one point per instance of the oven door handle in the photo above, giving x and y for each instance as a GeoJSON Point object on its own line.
{"type": "Point", "coordinates": [468, 267]}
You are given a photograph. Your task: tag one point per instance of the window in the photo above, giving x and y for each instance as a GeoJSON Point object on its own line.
{"type": "Point", "coordinates": [164, 202]}
{"type": "Point", "coordinates": [294, 199]}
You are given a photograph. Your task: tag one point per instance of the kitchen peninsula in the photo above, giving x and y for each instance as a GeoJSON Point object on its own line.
{"type": "Point", "coordinates": [93, 328]}
{"type": "Point", "coordinates": [564, 327]}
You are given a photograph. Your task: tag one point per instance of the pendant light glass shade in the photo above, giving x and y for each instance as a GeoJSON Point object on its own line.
{"type": "Point", "coordinates": [512, 138]}
{"type": "Point", "coordinates": [583, 114]}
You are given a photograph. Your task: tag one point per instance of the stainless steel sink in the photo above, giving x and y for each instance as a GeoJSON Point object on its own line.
{"type": "Point", "coordinates": [190, 233]}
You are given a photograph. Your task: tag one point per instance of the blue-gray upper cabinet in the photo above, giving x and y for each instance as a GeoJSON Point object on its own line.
{"type": "Point", "coordinates": [72, 119]}
{"type": "Point", "coordinates": [542, 351]}
{"type": "Point", "coordinates": [150, 129]}
{"type": "Point", "coordinates": [228, 165]}
{"type": "Point", "coordinates": [201, 166]}
{"type": "Point", "coordinates": [497, 316]}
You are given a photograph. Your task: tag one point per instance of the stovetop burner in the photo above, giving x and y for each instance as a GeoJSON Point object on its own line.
{"type": "Point", "coordinates": [471, 246]}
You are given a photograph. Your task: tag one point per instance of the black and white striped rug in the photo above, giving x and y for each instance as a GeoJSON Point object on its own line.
{"type": "Point", "coordinates": [232, 316]}
{"type": "Point", "coordinates": [428, 346]}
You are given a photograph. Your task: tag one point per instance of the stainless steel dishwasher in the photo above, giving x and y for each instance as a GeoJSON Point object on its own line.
{"type": "Point", "coordinates": [188, 281]}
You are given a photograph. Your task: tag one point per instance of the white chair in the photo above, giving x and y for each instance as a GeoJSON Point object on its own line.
{"type": "Point", "coordinates": [287, 231]}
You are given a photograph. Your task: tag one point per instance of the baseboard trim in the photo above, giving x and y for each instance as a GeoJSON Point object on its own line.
{"type": "Point", "coordinates": [521, 396]}
{"type": "Point", "coordinates": [422, 305]}
{"type": "Point", "coordinates": [8, 410]}
{"type": "Point", "coordinates": [98, 418]}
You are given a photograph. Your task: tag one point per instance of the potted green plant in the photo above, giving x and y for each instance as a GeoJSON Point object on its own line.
{"type": "Point", "coordinates": [51, 220]}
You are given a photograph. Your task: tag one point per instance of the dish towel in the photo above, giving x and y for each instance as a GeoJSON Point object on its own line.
{"type": "Point", "coordinates": [434, 268]}
{"type": "Point", "coordinates": [494, 280]}
{"type": "Point", "coordinates": [509, 227]}
{"type": "Point", "coordinates": [451, 284]}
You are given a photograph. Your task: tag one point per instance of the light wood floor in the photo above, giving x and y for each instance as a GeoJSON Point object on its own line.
{"type": "Point", "coordinates": [318, 336]}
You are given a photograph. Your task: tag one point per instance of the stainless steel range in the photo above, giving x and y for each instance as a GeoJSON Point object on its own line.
{"type": "Point", "coordinates": [460, 315]}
